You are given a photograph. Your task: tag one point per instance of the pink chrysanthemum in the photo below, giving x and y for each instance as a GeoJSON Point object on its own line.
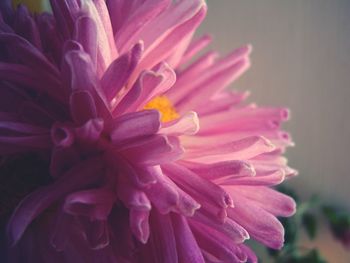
{"type": "Point", "coordinates": [142, 155]}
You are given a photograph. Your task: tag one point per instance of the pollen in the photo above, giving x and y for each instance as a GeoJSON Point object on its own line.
{"type": "Point", "coordinates": [164, 106]}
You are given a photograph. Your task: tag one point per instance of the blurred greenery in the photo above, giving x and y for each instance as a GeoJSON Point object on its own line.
{"type": "Point", "coordinates": [307, 219]}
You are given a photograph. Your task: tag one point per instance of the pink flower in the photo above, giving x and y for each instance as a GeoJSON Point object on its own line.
{"type": "Point", "coordinates": [149, 160]}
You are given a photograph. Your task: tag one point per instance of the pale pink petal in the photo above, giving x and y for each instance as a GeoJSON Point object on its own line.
{"type": "Point", "coordinates": [272, 201]}
{"type": "Point", "coordinates": [267, 179]}
{"type": "Point", "coordinates": [152, 83]}
{"type": "Point", "coordinates": [242, 149]}
{"type": "Point", "coordinates": [195, 47]}
{"type": "Point", "coordinates": [231, 169]}
{"type": "Point", "coordinates": [163, 49]}
{"type": "Point", "coordinates": [186, 78]}
{"type": "Point", "coordinates": [261, 225]}
{"type": "Point", "coordinates": [212, 85]}
{"type": "Point", "coordinates": [188, 124]}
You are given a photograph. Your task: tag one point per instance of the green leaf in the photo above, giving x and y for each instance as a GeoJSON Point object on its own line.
{"type": "Point", "coordinates": [339, 223]}
{"type": "Point", "coordinates": [290, 230]}
{"type": "Point", "coordinates": [310, 224]}
{"type": "Point", "coordinates": [312, 257]}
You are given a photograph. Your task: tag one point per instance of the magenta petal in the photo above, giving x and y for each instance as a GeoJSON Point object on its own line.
{"type": "Point", "coordinates": [90, 132]}
{"type": "Point", "coordinates": [229, 228]}
{"type": "Point", "coordinates": [132, 197]}
{"type": "Point", "coordinates": [166, 196]}
{"type": "Point", "coordinates": [96, 232]}
{"type": "Point", "coordinates": [62, 135]}
{"type": "Point", "coordinates": [139, 224]}
{"type": "Point", "coordinates": [163, 194]}
{"type": "Point", "coordinates": [80, 80]}
{"type": "Point", "coordinates": [135, 125]}
{"type": "Point", "coordinates": [140, 176]}
{"type": "Point", "coordinates": [25, 26]}
{"type": "Point", "coordinates": [95, 204]}
{"type": "Point", "coordinates": [204, 189]}
{"type": "Point", "coordinates": [62, 159]}
{"type": "Point", "coordinates": [19, 127]}
{"type": "Point", "coordinates": [162, 240]}
{"type": "Point", "coordinates": [218, 245]}
{"type": "Point", "coordinates": [82, 106]}
{"type": "Point", "coordinates": [58, 237]}
{"type": "Point", "coordinates": [63, 12]}
{"type": "Point", "coordinates": [30, 207]}
{"type": "Point", "coordinates": [252, 258]}
{"type": "Point", "coordinates": [86, 34]}
{"type": "Point", "coordinates": [153, 150]}
{"type": "Point", "coordinates": [118, 73]}
{"type": "Point", "coordinates": [30, 78]}
{"type": "Point", "coordinates": [187, 247]}
{"type": "Point", "coordinates": [28, 54]}
{"type": "Point", "coordinates": [261, 225]}
{"type": "Point", "coordinates": [17, 144]}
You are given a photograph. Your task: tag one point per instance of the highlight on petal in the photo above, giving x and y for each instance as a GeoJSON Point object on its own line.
{"type": "Point", "coordinates": [186, 125]}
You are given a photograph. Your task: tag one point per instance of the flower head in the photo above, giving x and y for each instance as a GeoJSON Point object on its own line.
{"type": "Point", "coordinates": [148, 159]}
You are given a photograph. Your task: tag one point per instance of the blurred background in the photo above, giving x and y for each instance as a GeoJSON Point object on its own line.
{"type": "Point", "coordinates": [301, 59]}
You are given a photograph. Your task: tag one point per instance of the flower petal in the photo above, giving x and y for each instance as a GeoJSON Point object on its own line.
{"type": "Point", "coordinates": [187, 247]}
{"type": "Point", "coordinates": [261, 225]}
{"type": "Point", "coordinates": [135, 125]}
{"type": "Point", "coordinates": [96, 204]}
{"type": "Point", "coordinates": [187, 124]}
{"type": "Point", "coordinates": [82, 174]}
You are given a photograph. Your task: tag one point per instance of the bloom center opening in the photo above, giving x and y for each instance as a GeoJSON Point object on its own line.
{"type": "Point", "coordinates": [164, 106]}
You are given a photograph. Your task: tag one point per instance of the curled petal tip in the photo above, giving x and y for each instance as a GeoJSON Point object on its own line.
{"type": "Point", "coordinates": [247, 170]}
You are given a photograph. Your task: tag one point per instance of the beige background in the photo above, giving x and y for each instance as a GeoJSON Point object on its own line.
{"type": "Point", "coordinates": [301, 59]}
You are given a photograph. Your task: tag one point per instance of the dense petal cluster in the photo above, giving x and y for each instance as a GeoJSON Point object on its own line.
{"type": "Point", "coordinates": [148, 157]}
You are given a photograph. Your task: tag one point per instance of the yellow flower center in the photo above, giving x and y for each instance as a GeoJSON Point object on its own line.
{"type": "Point", "coordinates": [33, 5]}
{"type": "Point", "coordinates": [164, 106]}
